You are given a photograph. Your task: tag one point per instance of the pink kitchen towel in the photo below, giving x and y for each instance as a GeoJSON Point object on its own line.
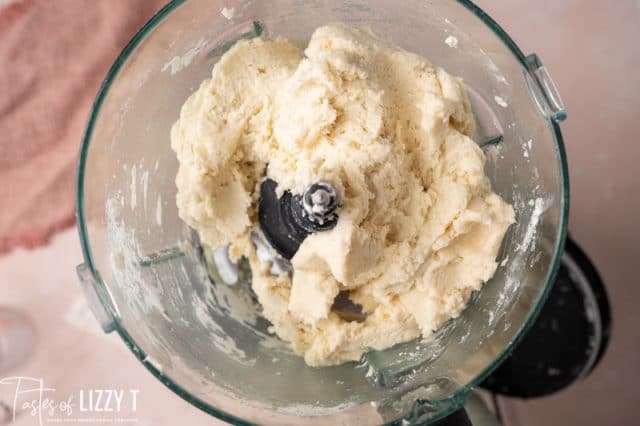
{"type": "Point", "coordinates": [53, 56]}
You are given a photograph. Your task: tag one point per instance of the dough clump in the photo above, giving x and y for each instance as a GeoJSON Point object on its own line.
{"type": "Point", "coordinates": [419, 227]}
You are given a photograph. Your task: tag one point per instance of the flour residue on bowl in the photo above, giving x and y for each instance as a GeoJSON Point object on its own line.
{"type": "Point", "coordinates": [178, 63]}
{"type": "Point", "coordinates": [133, 187]}
{"type": "Point", "coordinates": [228, 12]}
{"type": "Point", "coordinates": [500, 101]}
{"type": "Point", "coordinates": [307, 410]}
{"type": "Point", "coordinates": [159, 211]}
{"type": "Point", "coordinates": [220, 339]}
{"type": "Point", "coordinates": [144, 182]}
{"type": "Point", "coordinates": [530, 212]}
{"type": "Point", "coordinates": [451, 41]}
{"type": "Point", "coordinates": [152, 284]}
{"type": "Point", "coordinates": [125, 259]}
{"type": "Point", "coordinates": [540, 205]}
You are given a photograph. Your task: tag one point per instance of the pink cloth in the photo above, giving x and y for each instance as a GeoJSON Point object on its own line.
{"type": "Point", "coordinates": [53, 56]}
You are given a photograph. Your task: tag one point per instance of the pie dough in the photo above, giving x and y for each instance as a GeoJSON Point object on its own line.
{"type": "Point", "coordinates": [419, 227]}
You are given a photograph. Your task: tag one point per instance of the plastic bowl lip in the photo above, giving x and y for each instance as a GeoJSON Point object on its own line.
{"type": "Point", "coordinates": [137, 351]}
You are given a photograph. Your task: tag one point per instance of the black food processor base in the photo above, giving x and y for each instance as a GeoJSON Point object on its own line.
{"type": "Point", "coordinates": [565, 343]}
{"type": "Point", "coordinates": [567, 339]}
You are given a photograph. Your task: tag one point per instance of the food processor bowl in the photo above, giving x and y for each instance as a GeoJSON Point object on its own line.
{"type": "Point", "coordinates": [147, 277]}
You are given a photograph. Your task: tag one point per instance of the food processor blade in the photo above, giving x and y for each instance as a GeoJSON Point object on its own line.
{"type": "Point", "coordinates": [287, 220]}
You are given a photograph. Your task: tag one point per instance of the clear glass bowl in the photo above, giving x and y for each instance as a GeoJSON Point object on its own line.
{"type": "Point", "coordinates": [145, 274]}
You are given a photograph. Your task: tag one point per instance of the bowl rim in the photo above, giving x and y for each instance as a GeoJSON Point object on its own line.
{"type": "Point", "coordinates": [214, 411]}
